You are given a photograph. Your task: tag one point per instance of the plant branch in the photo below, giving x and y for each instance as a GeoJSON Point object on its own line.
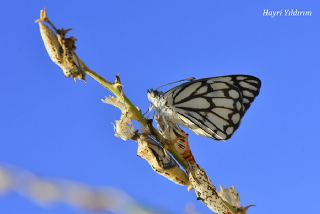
{"type": "Point", "coordinates": [136, 114]}
{"type": "Point", "coordinates": [62, 52]}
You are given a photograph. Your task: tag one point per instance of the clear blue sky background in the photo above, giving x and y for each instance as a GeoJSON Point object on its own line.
{"type": "Point", "coordinates": [57, 128]}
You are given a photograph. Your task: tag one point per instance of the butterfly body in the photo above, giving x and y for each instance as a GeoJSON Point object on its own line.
{"type": "Point", "coordinates": [159, 102]}
{"type": "Point", "coordinates": [210, 107]}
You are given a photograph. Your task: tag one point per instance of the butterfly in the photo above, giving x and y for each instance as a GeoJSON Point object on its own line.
{"type": "Point", "coordinates": [210, 107]}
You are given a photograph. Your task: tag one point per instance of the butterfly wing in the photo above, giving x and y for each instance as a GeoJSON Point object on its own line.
{"type": "Point", "coordinates": [249, 86]}
{"type": "Point", "coordinates": [213, 107]}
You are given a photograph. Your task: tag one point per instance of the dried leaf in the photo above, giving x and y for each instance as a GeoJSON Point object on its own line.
{"type": "Point", "coordinates": [116, 102]}
{"type": "Point", "coordinates": [124, 128]}
{"type": "Point", "coordinates": [230, 195]}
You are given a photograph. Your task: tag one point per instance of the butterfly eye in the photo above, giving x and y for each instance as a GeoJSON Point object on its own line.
{"type": "Point", "coordinates": [153, 95]}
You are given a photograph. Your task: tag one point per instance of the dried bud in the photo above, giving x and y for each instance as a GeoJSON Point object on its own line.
{"type": "Point", "coordinates": [61, 49]}
{"type": "Point", "coordinates": [161, 161]}
{"type": "Point", "coordinates": [50, 40]}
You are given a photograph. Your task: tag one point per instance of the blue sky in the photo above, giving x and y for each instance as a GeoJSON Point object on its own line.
{"type": "Point", "coordinates": [60, 129]}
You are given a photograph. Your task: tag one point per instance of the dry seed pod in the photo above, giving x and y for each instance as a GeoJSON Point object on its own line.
{"type": "Point", "coordinates": [160, 161]}
{"type": "Point", "coordinates": [51, 44]}
{"type": "Point", "coordinates": [61, 50]}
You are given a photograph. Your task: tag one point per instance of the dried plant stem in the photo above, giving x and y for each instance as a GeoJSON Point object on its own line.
{"type": "Point", "coordinates": [136, 114]}
{"type": "Point", "coordinates": [62, 52]}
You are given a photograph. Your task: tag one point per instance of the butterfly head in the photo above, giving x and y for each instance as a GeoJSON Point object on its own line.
{"type": "Point", "coordinates": [154, 97]}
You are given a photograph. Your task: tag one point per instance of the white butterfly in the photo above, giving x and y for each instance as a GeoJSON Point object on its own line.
{"type": "Point", "coordinates": [210, 107]}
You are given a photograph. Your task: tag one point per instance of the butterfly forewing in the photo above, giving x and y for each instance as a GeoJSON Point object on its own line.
{"type": "Point", "coordinates": [249, 86]}
{"type": "Point", "coordinates": [211, 107]}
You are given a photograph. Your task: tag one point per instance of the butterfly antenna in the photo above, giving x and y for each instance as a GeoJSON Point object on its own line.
{"type": "Point", "coordinates": [187, 79]}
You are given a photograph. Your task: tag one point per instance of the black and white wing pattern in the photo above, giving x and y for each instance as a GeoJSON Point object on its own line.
{"type": "Point", "coordinates": [249, 86]}
{"type": "Point", "coordinates": [211, 107]}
